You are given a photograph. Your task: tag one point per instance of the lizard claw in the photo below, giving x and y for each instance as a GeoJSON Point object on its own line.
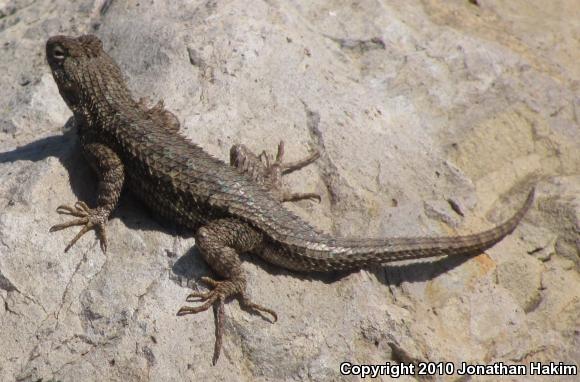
{"type": "Point", "coordinates": [221, 290]}
{"type": "Point", "coordinates": [86, 217]}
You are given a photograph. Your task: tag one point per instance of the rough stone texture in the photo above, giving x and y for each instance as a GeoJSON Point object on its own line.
{"type": "Point", "coordinates": [433, 117]}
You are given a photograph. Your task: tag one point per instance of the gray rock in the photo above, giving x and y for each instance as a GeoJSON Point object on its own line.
{"type": "Point", "coordinates": [433, 118]}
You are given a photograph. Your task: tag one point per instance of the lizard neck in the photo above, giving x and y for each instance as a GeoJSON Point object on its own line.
{"type": "Point", "coordinates": [100, 108]}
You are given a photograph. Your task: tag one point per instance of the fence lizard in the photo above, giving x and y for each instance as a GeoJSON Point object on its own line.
{"type": "Point", "coordinates": [232, 209]}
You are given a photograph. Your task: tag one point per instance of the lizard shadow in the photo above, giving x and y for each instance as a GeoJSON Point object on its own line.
{"type": "Point", "coordinates": [191, 266]}
{"type": "Point", "coordinates": [66, 149]}
{"type": "Point", "coordinates": [83, 182]}
{"type": "Point", "coordinates": [390, 274]}
{"type": "Point", "coordinates": [58, 146]}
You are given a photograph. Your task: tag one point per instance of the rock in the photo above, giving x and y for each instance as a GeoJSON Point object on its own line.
{"type": "Point", "coordinates": [523, 278]}
{"type": "Point", "coordinates": [433, 118]}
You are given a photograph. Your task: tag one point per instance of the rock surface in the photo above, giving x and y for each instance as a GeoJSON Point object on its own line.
{"type": "Point", "coordinates": [433, 117]}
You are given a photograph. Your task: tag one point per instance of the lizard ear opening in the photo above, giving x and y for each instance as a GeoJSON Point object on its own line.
{"type": "Point", "coordinates": [92, 44]}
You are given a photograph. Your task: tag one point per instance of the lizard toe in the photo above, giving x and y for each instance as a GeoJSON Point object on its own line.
{"type": "Point", "coordinates": [220, 292]}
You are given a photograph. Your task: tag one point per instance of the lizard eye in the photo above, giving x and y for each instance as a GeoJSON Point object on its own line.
{"type": "Point", "coordinates": [58, 53]}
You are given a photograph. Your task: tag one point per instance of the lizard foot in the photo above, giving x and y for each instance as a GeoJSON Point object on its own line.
{"type": "Point", "coordinates": [277, 168]}
{"type": "Point", "coordinates": [221, 290]}
{"type": "Point", "coordinates": [86, 217]}
{"type": "Point", "coordinates": [269, 170]}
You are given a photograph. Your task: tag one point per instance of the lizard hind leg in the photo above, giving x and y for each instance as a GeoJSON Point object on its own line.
{"type": "Point", "coordinates": [268, 171]}
{"type": "Point", "coordinates": [220, 243]}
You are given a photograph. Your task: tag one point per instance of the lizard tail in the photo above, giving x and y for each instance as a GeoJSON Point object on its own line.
{"type": "Point", "coordinates": [329, 254]}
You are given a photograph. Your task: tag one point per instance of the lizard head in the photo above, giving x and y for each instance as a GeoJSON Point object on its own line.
{"type": "Point", "coordinates": [67, 56]}
{"type": "Point", "coordinates": [78, 64]}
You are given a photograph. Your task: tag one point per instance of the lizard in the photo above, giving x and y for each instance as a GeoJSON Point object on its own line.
{"type": "Point", "coordinates": [232, 209]}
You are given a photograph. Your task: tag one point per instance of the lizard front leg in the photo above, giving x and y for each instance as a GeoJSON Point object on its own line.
{"type": "Point", "coordinates": [109, 169]}
{"type": "Point", "coordinates": [268, 171]}
{"type": "Point", "coordinates": [220, 243]}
